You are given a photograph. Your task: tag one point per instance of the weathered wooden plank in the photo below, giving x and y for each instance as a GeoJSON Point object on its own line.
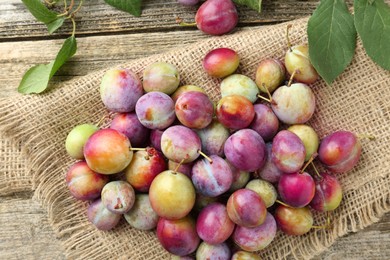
{"type": "Point", "coordinates": [95, 17]}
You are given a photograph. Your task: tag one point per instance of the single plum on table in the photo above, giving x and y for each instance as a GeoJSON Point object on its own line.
{"type": "Point", "coordinates": [293, 104]}
{"type": "Point", "coordinates": [129, 125]}
{"type": "Point", "coordinates": [141, 216]}
{"type": "Point", "coordinates": [180, 144]}
{"type": "Point", "coordinates": [243, 255]}
{"type": "Point", "coordinates": [83, 183]}
{"type": "Point", "coordinates": [76, 139]}
{"type": "Point", "coordinates": [221, 62]}
{"type": "Point", "coordinates": [265, 190]}
{"type": "Point", "coordinates": [185, 168]}
{"type": "Point", "coordinates": [270, 74]}
{"type": "Point", "coordinates": [120, 90]}
{"type": "Point", "coordinates": [213, 224]}
{"type": "Point", "coordinates": [238, 84]}
{"type": "Point", "coordinates": [269, 171]}
{"type": "Point", "coordinates": [257, 238]}
{"type": "Point", "coordinates": [118, 196]}
{"type": "Point", "coordinates": [265, 122]}
{"type": "Point", "coordinates": [328, 193]}
{"type": "Point", "coordinates": [246, 208]}
{"type": "Point", "coordinates": [178, 236]}
{"type": "Point", "coordinates": [308, 137]}
{"type": "Point", "coordinates": [144, 167]}
{"type": "Point", "coordinates": [296, 189]}
{"type": "Point", "coordinates": [101, 217]}
{"type": "Point", "coordinates": [340, 151]}
{"type": "Point", "coordinates": [216, 17]}
{"type": "Point", "coordinates": [194, 109]}
{"type": "Point", "coordinates": [288, 152]}
{"type": "Point", "coordinates": [212, 178]}
{"type": "Point", "coordinates": [162, 77]}
{"type": "Point", "coordinates": [183, 89]}
{"type": "Point", "coordinates": [172, 195]}
{"type": "Point", "coordinates": [245, 150]}
{"type": "Point", "coordinates": [155, 110]}
{"type": "Point", "coordinates": [206, 251]}
{"type": "Point", "coordinates": [294, 221]}
{"type": "Point", "coordinates": [155, 138]}
{"type": "Point", "coordinates": [213, 138]}
{"type": "Point", "coordinates": [235, 112]}
{"type": "Point", "coordinates": [107, 151]}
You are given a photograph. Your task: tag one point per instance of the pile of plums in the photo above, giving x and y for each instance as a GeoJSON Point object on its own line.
{"type": "Point", "coordinates": [219, 179]}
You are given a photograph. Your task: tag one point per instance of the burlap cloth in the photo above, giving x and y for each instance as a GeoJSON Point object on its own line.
{"type": "Point", "coordinates": [33, 130]}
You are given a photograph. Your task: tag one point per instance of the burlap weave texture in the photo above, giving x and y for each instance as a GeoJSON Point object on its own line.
{"type": "Point", "coordinates": [357, 101]}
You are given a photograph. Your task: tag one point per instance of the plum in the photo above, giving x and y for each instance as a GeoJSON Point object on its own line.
{"type": "Point", "coordinates": [162, 77]}
{"type": "Point", "coordinates": [185, 88]}
{"type": "Point", "coordinates": [238, 84]}
{"type": "Point", "coordinates": [206, 251]}
{"type": "Point", "coordinates": [101, 217]}
{"type": "Point", "coordinates": [265, 190]}
{"type": "Point", "coordinates": [271, 74]}
{"type": "Point", "coordinates": [202, 201]}
{"type": "Point", "coordinates": [76, 139]}
{"type": "Point", "coordinates": [340, 151]}
{"type": "Point", "coordinates": [221, 62]}
{"type": "Point", "coordinates": [185, 168]}
{"type": "Point", "coordinates": [288, 152]}
{"type": "Point", "coordinates": [176, 257]}
{"type": "Point", "coordinates": [257, 238]}
{"type": "Point", "coordinates": [265, 122]}
{"type": "Point", "coordinates": [107, 151]}
{"type": "Point", "coordinates": [83, 183]}
{"type": "Point", "coordinates": [246, 208]}
{"type": "Point", "coordinates": [155, 138]}
{"type": "Point", "coordinates": [235, 112]}
{"type": "Point", "coordinates": [328, 193]}
{"type": "Point", "coordinates": [180, 144]}
{"type": "Point", "coordinates": [212, 178]}
{"type": "Point", "coordinates": [245, 150]}
{"type": "Point", "coordinates": [308, 137]}
{"type": "Point", "coordinates": [269, 171]}
{"type": "Point", "coordinates": [120, 90]}
{"type": "Point", "coordinates": [213, 224]}
{"type": "Point", "coordinates": [178, 236]}
{"type": "Point", "coordinates": [194, 109]}
{"type": "Point", "coordinates": [172, 195]}
{"type": "Point", "coordinates": [294, 221]}
{"type": "Point", "coordinates": [144, 167]}
{"type": "Point", "coordinates": [296, 189]}
{"type": "Point", "coordinates": [293, 104]}
{"type": "Point", "coordinates": [297, 61]}
{"type": "Point", "coordinates": [216, 17]}
{"type": "Point", "coordinates": [155, 110]}
{"type": "Point", "coordinates": [243, 255]}
{"type": "Point", "coordinates": [129, 125]}
{"type": "Point", "coordinates": [213, 138]}
{"type": "Point", "coordinates": [141, 216]}
{"type": "Point", "coordinates": [118, 196]}
{"type": "Point", "coordinates": [240, 178]}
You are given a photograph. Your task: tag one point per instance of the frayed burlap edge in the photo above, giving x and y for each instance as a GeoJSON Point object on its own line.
{"type": "Point", "coordinates": [45, 162]}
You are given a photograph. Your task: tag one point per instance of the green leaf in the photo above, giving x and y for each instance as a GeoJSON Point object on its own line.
{"type": "Point", "coordinates": [36, 79]}
{"type": "Point", "coordinates": [332, 38]}
{"type": "Point", "coordinates": [43, 14]}
{"type": "Point", "coordinates": [372, 21]}
{"type": "Point", "coordinates": [131, 6]}
{"type": "Point", "coordinates": [253, 4]}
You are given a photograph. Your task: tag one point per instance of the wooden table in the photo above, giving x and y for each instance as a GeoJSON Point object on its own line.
{"type": "Point", "coordinates": [107, 37]}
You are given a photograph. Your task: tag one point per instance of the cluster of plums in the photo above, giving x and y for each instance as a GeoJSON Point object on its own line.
{"type": "Point", "coordinates": [196, 171]}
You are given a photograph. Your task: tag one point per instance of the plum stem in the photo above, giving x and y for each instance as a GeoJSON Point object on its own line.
{"type": "Point", "coordinates": [370, 137]}
{"type": "Point", "coordinates": [287, 37]}
{"type": "Point", "coordinates": [182, 23]}
{"type": "Point", "coordinates": [316, 171]}
{"type": "Point", "coordinates": [137, 149]}
{"type": "Point", "coordinates": [284, 204]}
{"type": "Point", "coordinates": [292, 77]}
{"type": "Point", "coordinates": [311, 159]}
{"type": "Point", "coordinates": [205, 156]}
{"type": "Point", "coordinates": [264, 98]}
{"type": "Point", "coordinates": [180, 163]}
